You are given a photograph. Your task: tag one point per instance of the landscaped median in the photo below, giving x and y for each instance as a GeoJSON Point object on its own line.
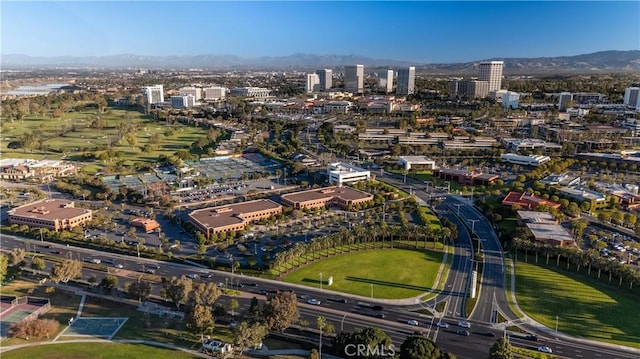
{"type": "Point", "coordinates": [581, 306]}
{"type": "Point", "coordinates": [387, 274]}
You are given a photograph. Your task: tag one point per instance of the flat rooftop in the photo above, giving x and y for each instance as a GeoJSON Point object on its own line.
{"type": "Point", "coordinates": [550, 231]}
{"type": "Point", "coordinates": [230, 214]}
{"type": "Point", "coordinates": [536, 217]}
{"type": "Point", "coordinates": [49, 209]}
{"type": "Point", "coordinates": [344, 193]}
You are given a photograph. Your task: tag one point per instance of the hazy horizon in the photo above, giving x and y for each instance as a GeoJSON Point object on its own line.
{"type": "Point", "coordinates": [421, 32]}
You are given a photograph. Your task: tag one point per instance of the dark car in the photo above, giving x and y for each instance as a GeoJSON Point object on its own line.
{"type": "Point", "coordinates": [377, 307]}
{"type": "Point", "coordinates": [379, 315]}
{"type": "Point", "coordinates": [463, 332]}
{"type": "Point", "coordinates": [489, 334]}
{"type": "Point", "coordinates": [533, 338]}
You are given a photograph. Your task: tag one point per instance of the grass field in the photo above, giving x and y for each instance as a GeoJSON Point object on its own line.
{"type": "Point", "coordinates": [585, 307]}
{"type": "Point", "coordinates": [87, 139]}
{"type": "Point", "coordinates": [392, 273]}
{"type": "Point", "coordinates": [96, 351]}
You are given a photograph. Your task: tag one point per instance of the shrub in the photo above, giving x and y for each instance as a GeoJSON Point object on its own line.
{"type": "Point", "coordinates": [37, 328]}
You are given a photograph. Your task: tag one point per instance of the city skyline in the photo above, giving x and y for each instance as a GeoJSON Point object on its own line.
{"type": "Point", "coordinates": [422, 32]}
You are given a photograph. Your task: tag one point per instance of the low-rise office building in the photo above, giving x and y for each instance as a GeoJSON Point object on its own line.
{"type": "Point", "coordinates": [553, 234]}
{"type": "Point", "coordinates": [408, 162]}
{"type": "Point", "coordinates": [341, 173]}
{"type": "Point", "coordinates": [527, 200]}
{"type": "Point", "coordinates": [54, 214]}
{"type": "Point", "coordinates": [341, 197]}
{"type": "Point", "coordinates": [531, 160]}
{"type": "Point", "coordinates": [232, 217]}
{"type": "Point", "coordinates": [525, 217]}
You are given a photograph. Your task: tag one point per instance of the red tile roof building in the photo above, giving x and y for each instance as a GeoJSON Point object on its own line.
{"type": "Point", "coordinates": [527, 201]}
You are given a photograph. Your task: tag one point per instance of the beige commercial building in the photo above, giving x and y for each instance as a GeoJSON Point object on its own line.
{"type": "Point", "coordinates": [232, 217]}
{"type": "Point", "coordinates": [341, 197]}
{"type": "Point", "coordinates": [54, 214]}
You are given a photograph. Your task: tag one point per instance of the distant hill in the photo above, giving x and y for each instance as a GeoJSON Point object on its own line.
{"type": "Point", "coordinates": [604, 61]}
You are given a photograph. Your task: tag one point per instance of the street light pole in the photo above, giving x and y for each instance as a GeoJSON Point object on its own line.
{"type": "Point", "coordinates": [321, 281]}
{"type": "Point", "coordinates": [371, 290]}
{"type": "Point", "coordinates": [458, 207]}
{"type": "Point", "coordinates": [556, 324]}
{"type": "Point", "coordinates": [473, 225]}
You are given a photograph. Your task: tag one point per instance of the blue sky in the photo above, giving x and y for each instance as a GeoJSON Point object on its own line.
{"type": "Point", "coordinates": [420, 31]}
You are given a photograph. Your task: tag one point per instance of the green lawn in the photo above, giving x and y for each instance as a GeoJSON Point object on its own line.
{"type": "Point", "coordinates": [96, 351]}
{"type": "Point", "coordinates": [86, 139]}
{"type": "Point", "coordinates": [394, 273]}
{"type": "Point", "coordinates": [584, 307]}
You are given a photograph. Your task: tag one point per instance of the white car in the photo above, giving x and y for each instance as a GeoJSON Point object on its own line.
{"type": "Point", "coordinates": [119, 266]}
{"type": "Point", "coordinates": [95, 261]}
{"type": "Point", "coordinates": [545, 349]}
{"type": "Point", "coordinates": [464, 324]}
{"type": "Point", "coordinates": [192, 276]}
{"type": "Point", "coordinates": [413, 322]}
{"type": "Point", "coordinates": [442, 325]}
{"type": "Point", "coordinates": [313, 301]}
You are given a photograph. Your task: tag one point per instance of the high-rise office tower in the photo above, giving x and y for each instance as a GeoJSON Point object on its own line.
{"type": "Point", "coordinates": [406, 81]}
{"type": "Point", "coordinates": [632, 97]}
{"type": "Point", "coordinates": [563, 100]}
{"type": "Point", "coordinates": [153, 94]}
{"type": "Point", "coordinates": [326, 79]}
{"type": "Point", "coordinates": [354, 79]}
{"type": "Point", "coordinates": [191, 90]}
{"type": "Point", "coordinates": [385, 80]}
{"type": "Point", "coordinates": [492, 73]}
{"type": "Point", "coordinates": [313, 83]}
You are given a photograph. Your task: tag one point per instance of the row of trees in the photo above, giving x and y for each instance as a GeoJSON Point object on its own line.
{"type": "Point", "coordinates": [361, 238]}
{"type": "Point", "coordinates": [589, 259]}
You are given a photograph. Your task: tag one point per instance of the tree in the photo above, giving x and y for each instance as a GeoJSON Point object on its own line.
{"type": "Point", "coordinates": [38, 328]}
{"type": "Point", "coordinates": [16, 256]}
{"type": "Point", "coordinates": [139, 290]}
{"type": "Point", "coordinates": [255, 313]}
{"type": "Point", "coordinates": [198, 319]}
{"type": "Point", "coordinates": [206, 293]}
{"type": "Point", "coordinates": [66, 270]}
{"type": "Point", "coordinates": [177, 290]}
{"type": "Point", "coordinates": [281, 311]}
{"type": "Point", "coordinates": [37, 263]}
{"type": "Point", "coordinates": [321, 323]}
{"type": "Point", "coordinates": [4, 265]}
{"type": "Point", "coordinates": [417, 347]}
{"type": "Point", "coordinates": [501, 349]}
{"type": "Point", "coordinates": [246, 335]}
{"type": "Point", "coordinates": [109, 282]}
{"type": "Point", "coordinates": [233, 304]}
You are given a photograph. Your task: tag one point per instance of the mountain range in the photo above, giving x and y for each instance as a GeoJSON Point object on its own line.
{"type": "Point", "coordinates": [598, 62]}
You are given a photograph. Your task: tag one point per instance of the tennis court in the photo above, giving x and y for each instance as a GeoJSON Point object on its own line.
{"type": "Point", "coordinates": [17, 312]}
{"type": "Point", "coordinates": [95, 327]}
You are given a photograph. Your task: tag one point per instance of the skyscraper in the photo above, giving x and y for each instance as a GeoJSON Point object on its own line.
{"type": "Point", "coordinates": [632, 97]}
{"type": "Point", "coordinates": [153, 94]}
{"type": "Point", "coordinates": [385, 80]}
{"type": "Point", "coordinates": [354, 79]}
{"type": "Point", "coordinates": [326, 79]}
{"type": "Point", "coordinates": [313, 83]}
{"type": "Point", "coordinates": [492, 73]}
{"type": "Point", "coordinates": [406, 81]}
